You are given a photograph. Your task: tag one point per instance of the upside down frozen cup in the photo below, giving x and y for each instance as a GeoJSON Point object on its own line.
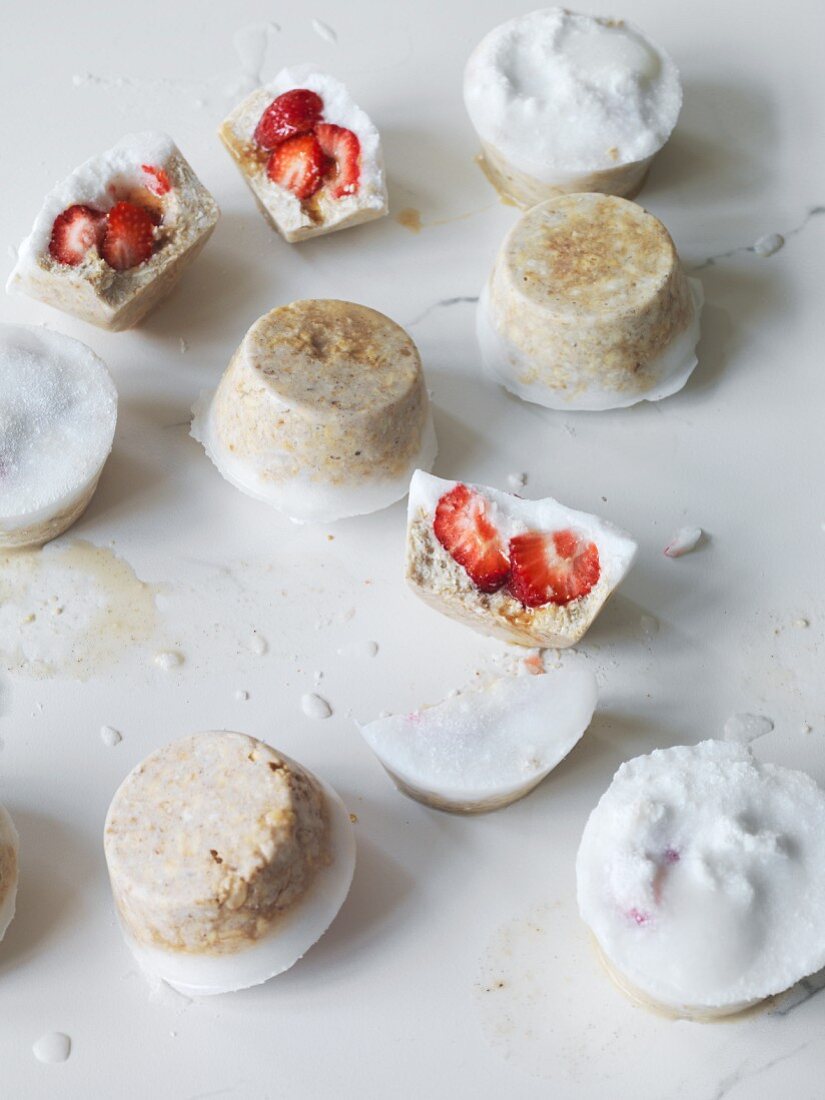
{"type": "Point", "coordinates": [58, 408]}
{"type": "Point", "coordinates": [564, 102]}
{"type": "Point", "coordinates": [322, 413]}
{"type": "Point", "coordinates": [701, 874]}
{"type": "Point", "coordinates": [227, 861]}
{"type": "Point", "coordinates": [588, 307]}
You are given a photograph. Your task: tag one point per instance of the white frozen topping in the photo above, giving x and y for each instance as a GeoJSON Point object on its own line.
{"type": "Point", "coordinates": [685, 540]}
{"type": "Point", "coordinates": [512, 515]}
{"type": "Point", "coordinates": [701, 873]}
{"type": "Point", "coordinates": [314, 706]}
{"type": "Point", "coordinates": [58, 407]}
{"type": "Point", "coordinates": [555, 92]}
{"type": "Point", "coordinates": [92, 184]}
{"type": "Point", "coordinates": [744, 728]}
{"type": "Point", "coordinates": [488, 740]}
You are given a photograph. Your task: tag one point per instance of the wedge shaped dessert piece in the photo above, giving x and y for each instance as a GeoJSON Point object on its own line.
{"type": "Point", "coordinates": [58, 408]}
{"type": "Point", "coordinates": [322, 412]}
{"type": "Point", "coordinates": [701, 874]}
{"type": "Point", "coordinates": [489, 745]}
{"type": "Point", "coordinates": [115, 236]}
{"type": "Point", "coordinates": [564, 102]}
{"type": "Point", "coordinates": [588, 307]}
{"type": "Point", "coordinates": [309, 155]}
{"type": "Point", "coordinates": [227, 861]}
{"type": "Point", "coordinates": [9, 845]}
{"type": "Point", "coordinates": [529, 571]}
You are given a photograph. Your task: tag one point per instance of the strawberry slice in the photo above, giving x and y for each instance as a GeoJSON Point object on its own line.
{"type": "Point", "coordinates": [343, 147]}
{"type": "Point", "coordinates": [552, 568]}
{"type": "Point", "coordinates": [158, 182]}
{"type": "Point", "coordinates": [129, 239]}
{"type": "Point", "coordinates": [74, 232]}
{"type": "Point", "coordinates": [298, 165]}
{"type": "Point", "coordinates": [463, 528]}
{"type": "Point", "coordinates": [295, 112]}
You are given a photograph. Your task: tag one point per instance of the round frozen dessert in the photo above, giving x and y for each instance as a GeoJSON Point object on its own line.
{"type": "Point", "coordinates": [322, 413]}
{"type": "Point", "coordinates": [588, 307]}
{"type": "Point", "coordinates": [489, 745]}
{"type": "Point", "coordinates": [564, 102]}
{"type": "Point", "coordinates": [701, 874]}
{"type": "Point", "coordinates": [227, 861]}
{"type": "Point", "coordinates": [58, 407]}
{"type": "Point", "coordinates": [9, 843]}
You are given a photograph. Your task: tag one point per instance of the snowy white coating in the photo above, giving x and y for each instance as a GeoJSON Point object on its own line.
{"type": "Point", "coordinates": [491, 743]}
{"type": "Point", "coordinates": [58, 407]}
{"type": "Point", "coordinates": [685, 540]}
{"type": "Point", "coordinates": [284, 208]}
{"type": "Point", "coordinates": [559, 94]}
{"type": "Point", "coordinates": [9, 846]}
{"type": "Point", "coordinates": [701, 873]}
{"type": "Point", "coordinates": [93, 184]}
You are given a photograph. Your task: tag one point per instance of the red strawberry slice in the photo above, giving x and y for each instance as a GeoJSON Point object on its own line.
{"type": "Point", "coordinates": [158, 182]}
{"type": "Point", "coordinates": [298, 165]}
{"type": "Point", "coordinates": [74, 232]}
{"type": "Point", "coordinates": [463, 528]}
{"type": "Point", "coordinates": [295, 112]}
{"type": "Point", "coordinates": [343, 147]}
{"type": "Point", "coordinates": [552, 568]}
{"type": "Point", "coordinates": [129, 239]}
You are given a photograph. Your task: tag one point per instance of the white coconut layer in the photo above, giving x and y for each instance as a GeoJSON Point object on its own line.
{"type": "Point", "coordinates": [508, 364]}
{"type": "Point", "coordinates": [560, 94]}
{"type": "Point", "coordinates": [58, 408]}
{"type": "Point", "coordinates": [296, 931]}
{"type": "Point", "coordinates": [304, 499]}
{"type": "Point", "coordinates": [8, 889]}
{"type": "Point", "coordinates": [701, 873]}
{"type": "Point", "coordinates": [95, 183]}
{"type": "Point", "coordinates": [491, 743]}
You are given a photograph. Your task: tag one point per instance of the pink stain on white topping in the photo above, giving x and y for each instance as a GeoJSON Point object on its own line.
{"type": "Point", "coordinates": [685, 540]}
{"type": "Point", "coordinates": [638, 916]}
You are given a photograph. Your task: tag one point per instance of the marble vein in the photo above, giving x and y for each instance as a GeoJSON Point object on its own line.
{"type": "Point", "coordinates": [444, 302]}
{"type": "Point", "coordinates": [711, 261]}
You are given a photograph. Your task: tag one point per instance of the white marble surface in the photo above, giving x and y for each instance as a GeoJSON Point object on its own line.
{"type": "Point", "coordinates": [458, 966]}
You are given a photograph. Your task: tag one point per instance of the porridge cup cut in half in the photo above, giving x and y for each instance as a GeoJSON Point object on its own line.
{"type": "Point", "coordinates": [563, 102]}
{"type": "Point", "coordinates": [532, 572]}
{"type": "Point", "coordinates": [322, 412]}
{"type": "Point", "coordinates": [9, 845]}
{"type": "Point", "coordinates": [701, 874]}
{"type": "Point", "coordinates": [115, 236]}
{"type": "Point", "coordinates": [587, 307]}
{"type": "Point", "coordinates": [308, 154]}
{"type": "Point", "coordinates": [489, 745]}
{"type": "Point", "coordinates": [58, 407]}
{"type": "Point", "coordinates": [227, 861]}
